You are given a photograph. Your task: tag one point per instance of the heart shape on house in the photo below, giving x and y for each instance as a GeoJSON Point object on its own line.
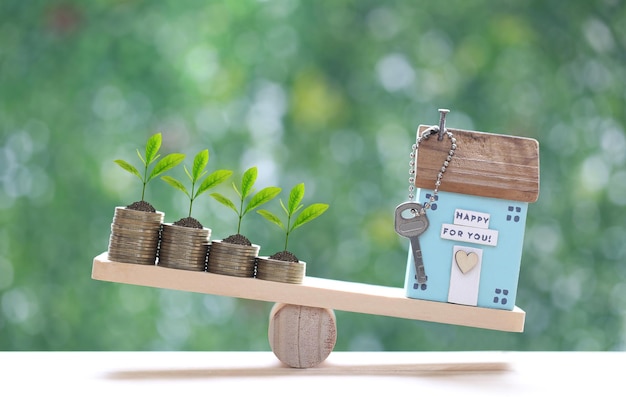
{"type": "Point", "coordinates": [466, 261]}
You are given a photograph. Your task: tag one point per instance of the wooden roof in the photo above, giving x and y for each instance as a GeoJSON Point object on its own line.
{"type": "Point", "coordinates": [484, 164]}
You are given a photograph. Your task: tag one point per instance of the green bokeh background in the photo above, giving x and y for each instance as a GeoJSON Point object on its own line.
{"type": "Point", "coordinates": [328, 93]}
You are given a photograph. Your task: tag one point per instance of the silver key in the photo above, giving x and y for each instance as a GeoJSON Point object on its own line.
{"type": "Point", "coordinates": [411, 222]}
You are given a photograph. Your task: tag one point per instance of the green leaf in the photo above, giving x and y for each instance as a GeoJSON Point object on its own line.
{"type": "Point", "coordinates": [284, 208]}
{"type": "Point", "coordinates": [237, 190]}
{"type": "Point", "coordinates": [128, 167]}
{"type": "Point", "coordinates": [188, 174]}
{"type": "Point", "coordinates": [152, 148]}
{"type": "Point", "coordinates": [295, 197]}
{"type": "Point", "coordinates": [272, 218]}
{"type": "Point", "coordinates": [212, 180]}
{"type": "Point", "coordinates": [248, 180]}
{"type": "Point", "coordinates": [225, 201]}
{"type": "Point", "coordinates": [262, 197]}
{"type": "Point", "coordinates": [168, 162]}
{"type": "Point", "coordinates": [199, 162]}
{"type": "Point", "coordinates": [176, 184]}
{"type": "Point", "coordinates": [309, 213]}
{"type": "Point", "coordinates": [141, 157]}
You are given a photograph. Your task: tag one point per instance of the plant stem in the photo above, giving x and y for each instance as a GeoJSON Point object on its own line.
{"type": "Point", "coordinates": [288, 230]}
{"type": "Point", "coordinates": [240, 215]}
{"type": "Point", "coordinates": [191, 197]}
{"type": "Point", "coordinates": [145, 181]}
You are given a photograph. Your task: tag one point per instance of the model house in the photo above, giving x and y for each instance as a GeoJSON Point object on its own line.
{"type": "Point", "coordinates": [472, 249]}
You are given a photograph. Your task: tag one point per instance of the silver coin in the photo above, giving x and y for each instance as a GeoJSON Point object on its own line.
{"type": "Point", "coordinates": [172, 243]}
{"type": "Point", "coordinates": [218, 269]}
{"type": "Point", "coordinates": [183, 245]}
{"type": "Point", "coordinates": [182, 260]}
{"type": "Point", "coordinates": [131, 255]}
{"type": "Point", "coordinates": [289, 267]}
{"type": "Point", "coordinates": [181, 251]}
{"type": "Point", "coordinates": [134, 239]}
{"type": "Point", "coordinates": [123, 212]}
{"type": "Point", "coordinates": [189, 231]}
{"type": "Point", "coordinates": [184, 237]}
{"type": "Point", "coordinates": [178, 260]}
{"type": "Point", "coordinates": [175, 253]}
{"type": "Point", "coordinates": [138, 241]}
{"type": "Point", "coordinates": [280, 271]}
{"type": "Point", "coordinates": [133, 244]}
{"type": "Point", "coordinates": [186, 240]}
{"type": "Point", "coordinates": [233, 263]}
{"type": "Point", "coordinates": [132, 259]}
{"type": "Point", "coordinates": [139, 217]}
{"type": "Point", "coordinates": [182, 265]}
{"type": "Point", "coordinates": [234, 273]}
{"type": "Point", "coordinates": [141, 261]}
{"type": "Point", "coordinates": [231, 256]}
{"type": "Point", "coordinates": [121, 240]}
{"type": "Point", "coordinates": [136, 225]}
{"type": "Point", "coordinates": [133, 250]}
{"type": "Point", "coordinates": [226, 247]}
{"type": "Point", "coordinates": [134, 236]}
{"type": "Point", "coordinates": [216, 266]}
{"type": "Point", "coordinates": [234, 248]}
{"type": "Point", "coordinates": [226, 270]}
{"type": "Point", "coordinates": [231, 259]}
{"type": "Point", "coordinates": [186, 231]}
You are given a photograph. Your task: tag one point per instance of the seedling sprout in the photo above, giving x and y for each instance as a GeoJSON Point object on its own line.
{"type": "Point", "coordinates": [197, 172]}
{"type": "Point", "coordinates": [152, 155]}
{"type": "Point", "coordinates": [246, 190]}
{"type": "Point", "coordinates": [294, 205]}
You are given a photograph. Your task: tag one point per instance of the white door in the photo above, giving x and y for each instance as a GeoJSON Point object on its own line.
{"type": "Point", "coordinates": [465, 275]}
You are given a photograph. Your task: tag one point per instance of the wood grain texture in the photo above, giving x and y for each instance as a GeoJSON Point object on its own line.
{"type": "Point", "coordinates": [315, 292]}
{"type": "Point", "coordinates": [484, 164]}
{"type": "Point", "coordinates": [301, 336]}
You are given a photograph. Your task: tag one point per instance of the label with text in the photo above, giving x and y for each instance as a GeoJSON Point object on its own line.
{"type": "Point", "coordinates": [468, 234]}
{"type": "Point", "coordinates": [471, 218]}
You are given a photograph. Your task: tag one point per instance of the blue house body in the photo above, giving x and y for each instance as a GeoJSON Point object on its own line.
{"type": "Point", "coordinates": [472, 248]}
{"type": "Point", "coordinates": [457, 229]}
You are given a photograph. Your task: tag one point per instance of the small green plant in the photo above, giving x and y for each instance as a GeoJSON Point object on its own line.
{"type": "Point", "coordinates": [294, 205]}
{"type": "Point", "coordinates": [152, 155]}
{"type": "Point", "coordinates": [246, 190]}
{"type": "Point", "coordinates": [197, 172]}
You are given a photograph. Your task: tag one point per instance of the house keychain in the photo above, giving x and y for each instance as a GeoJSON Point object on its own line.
{"type": "Point", "coordinates": [410, 217]}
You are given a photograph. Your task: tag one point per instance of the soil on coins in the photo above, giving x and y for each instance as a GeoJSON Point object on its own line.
{"type": "Point", "coordinates": [142, 206]}
{"type": "Point", "coordinates": [238, 239]}
{"type": "Point", "coordinates": [285, 256]}
{"type": "Point", "coordinates": [189, 222]}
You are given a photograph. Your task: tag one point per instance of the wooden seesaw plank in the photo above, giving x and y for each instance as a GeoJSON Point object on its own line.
{"type": "Point", "coordinates": [314, 292]}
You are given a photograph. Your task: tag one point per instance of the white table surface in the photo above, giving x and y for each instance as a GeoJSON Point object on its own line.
{"type": "Point", "coordinates": [348, 383]}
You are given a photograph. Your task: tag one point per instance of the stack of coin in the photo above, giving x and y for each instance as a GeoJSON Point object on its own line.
{"type": "Point", "coordinates": [232, 259]}
{"type": "Point", "coordinates": [184, 247]}
{"type": "Point", "coordinates": [134, 236]}
{"type": "Point", "coordinates": [280, 271]}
